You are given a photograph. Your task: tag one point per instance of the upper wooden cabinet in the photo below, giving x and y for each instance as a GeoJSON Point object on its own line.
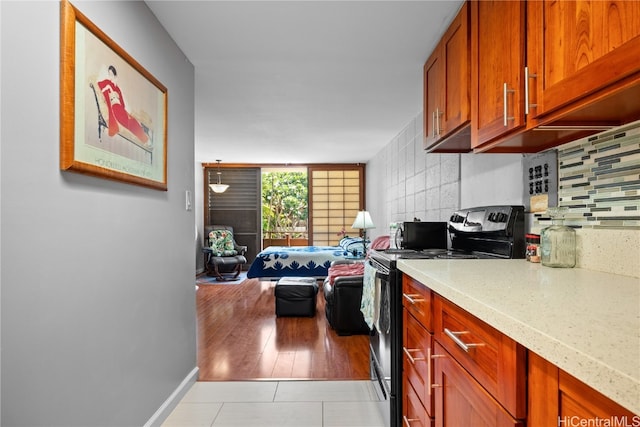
{"type": "Point", "coordinates": [580, 52]}
{"type": "Point", "coordinates": [539, 73]}
{"type": "Point", "coordinates": [497, 58]}
{"type": "Point", "coordinates": [446, 89]}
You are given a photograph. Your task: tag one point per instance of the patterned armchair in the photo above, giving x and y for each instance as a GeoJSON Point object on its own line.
{"type": "Point", "coordinates": [223, 256]}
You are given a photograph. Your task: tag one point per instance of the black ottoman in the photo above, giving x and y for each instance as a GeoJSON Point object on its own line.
{"type": "Point", "coordinates": [296, 296]}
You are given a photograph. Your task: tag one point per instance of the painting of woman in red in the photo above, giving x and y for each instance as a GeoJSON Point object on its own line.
{"type": "Point", "coordinates": [118, 115]}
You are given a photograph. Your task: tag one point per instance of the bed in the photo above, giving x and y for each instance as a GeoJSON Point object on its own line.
{"type": "Point", "coordinates": [303, 261]}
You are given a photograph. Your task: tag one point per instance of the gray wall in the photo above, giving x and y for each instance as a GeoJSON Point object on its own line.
{"type": "Point", "coordinates": [97, 285]}
{"type": "Point", "coordinates": [404, 182]}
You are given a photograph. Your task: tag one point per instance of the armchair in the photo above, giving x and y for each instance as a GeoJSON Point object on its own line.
{"type": "Point", "coordinates": [223, 256]}
{"type": "Point", "coordinates": [343, 295]}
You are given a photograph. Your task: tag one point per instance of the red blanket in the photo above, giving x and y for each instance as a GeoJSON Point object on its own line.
{"type": "Point", "coordinates": [356, 269]}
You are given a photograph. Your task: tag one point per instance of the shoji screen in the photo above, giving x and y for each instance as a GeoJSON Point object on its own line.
{"type": "Point", "coordinates": [336, 194]}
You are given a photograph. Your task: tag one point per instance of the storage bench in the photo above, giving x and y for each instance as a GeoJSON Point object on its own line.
{"type": "Point", "coordinates": [296, 296]}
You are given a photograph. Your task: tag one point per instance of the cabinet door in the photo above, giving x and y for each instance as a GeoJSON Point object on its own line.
{"type": "Point", "coordinates": [461, 401]}
{"type": "Point", "coordinates": [498, 49]}
{"type": "Point", "coordinates": [556, 398]}
{"type": "Point", "coordinates": [576, 48]}
{"type": "Point", "coordinates": [447, 80]}
{"type": "Point", "coordinates": [456, 51]}
{"type": "Point", "coordinates": [432, 97]}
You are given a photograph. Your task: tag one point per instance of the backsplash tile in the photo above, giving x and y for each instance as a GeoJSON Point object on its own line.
{"type": "Point", "coordinates": [599, 180]}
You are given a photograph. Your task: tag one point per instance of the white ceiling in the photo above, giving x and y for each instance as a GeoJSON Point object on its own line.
{"type": "Point", "coordinates": [303, 81]}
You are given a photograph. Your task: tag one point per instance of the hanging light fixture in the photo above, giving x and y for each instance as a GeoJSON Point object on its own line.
{"type": "Point", "coordinates": [219, 187]}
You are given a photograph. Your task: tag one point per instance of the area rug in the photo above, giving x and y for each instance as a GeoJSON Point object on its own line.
{"type": "Point", "coordinates": [210, 280]}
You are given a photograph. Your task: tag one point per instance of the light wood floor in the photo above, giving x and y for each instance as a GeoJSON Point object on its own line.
{"type": "Point", "coordinates": [240, 338]}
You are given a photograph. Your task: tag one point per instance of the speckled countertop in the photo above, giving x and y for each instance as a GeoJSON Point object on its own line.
{"type": "Point", "coordinates": [585, 322]}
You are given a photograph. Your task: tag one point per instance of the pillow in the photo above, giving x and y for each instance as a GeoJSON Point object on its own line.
{"type": "Point", "coordinates": [221, 243]}
{"type": "Point", "coordinates": [350, 244]}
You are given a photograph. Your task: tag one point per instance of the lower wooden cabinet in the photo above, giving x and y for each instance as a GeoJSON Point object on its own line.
{"type": "Point", "coordinates": [413, 413]}
{"type": "Point", "coordinates": [460, 400]}
{"type": "Point", "coordinates": [557, 398]}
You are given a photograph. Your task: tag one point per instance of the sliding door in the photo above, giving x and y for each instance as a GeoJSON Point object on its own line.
{"type": "Point", "coordinates": [336, 194]}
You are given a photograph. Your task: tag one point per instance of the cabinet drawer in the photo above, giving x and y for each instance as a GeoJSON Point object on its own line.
{"type": "Point", "coordinates": [497, 362]}
{"type": "Point", "coordinates": [418, 300]}
{"type": "Point", "coordinates": [416, 359]}
{"type": "Point", "coordinates": [413, 413]}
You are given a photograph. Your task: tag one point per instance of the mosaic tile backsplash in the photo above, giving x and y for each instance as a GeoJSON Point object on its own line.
{"type": "Point", "coordinates": [599, 180]}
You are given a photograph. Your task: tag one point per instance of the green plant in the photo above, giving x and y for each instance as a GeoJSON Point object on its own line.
{"type": "Point", "coordinates": [284, 204]}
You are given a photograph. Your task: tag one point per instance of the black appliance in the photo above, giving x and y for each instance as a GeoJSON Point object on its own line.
{"type": "Point", "coordinates": [421, 235]}
{"type": "Point", "coordinates": [477, 233]}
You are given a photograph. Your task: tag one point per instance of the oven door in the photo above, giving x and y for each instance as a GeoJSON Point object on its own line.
{"type": "Point", "coordinates": [380, 341]}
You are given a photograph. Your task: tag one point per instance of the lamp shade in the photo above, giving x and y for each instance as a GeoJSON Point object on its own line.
{"type": "Point", "coordinates": [363, 221]}
{"type": "Point", "coordinates": [218, 188]}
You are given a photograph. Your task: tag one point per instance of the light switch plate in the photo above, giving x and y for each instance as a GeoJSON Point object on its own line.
{"type": "Point", "coordinates": [187, 200]}
{"type": "Point", "coordinates": [540, 185]}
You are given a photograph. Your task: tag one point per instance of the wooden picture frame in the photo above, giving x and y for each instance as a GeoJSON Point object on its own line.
{"type": "Point", "coordinates": [113, 112]}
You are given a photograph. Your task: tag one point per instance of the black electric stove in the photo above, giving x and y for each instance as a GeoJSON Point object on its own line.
{"type": "Point", "coordinates": [486, 232]}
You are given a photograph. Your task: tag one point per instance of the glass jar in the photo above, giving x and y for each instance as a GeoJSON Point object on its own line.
{"type": "Point", "coordinates": [558, 242]}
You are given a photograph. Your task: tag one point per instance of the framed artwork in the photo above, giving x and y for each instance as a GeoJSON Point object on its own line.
{"type": "Point", "coordinates": [113, 112]}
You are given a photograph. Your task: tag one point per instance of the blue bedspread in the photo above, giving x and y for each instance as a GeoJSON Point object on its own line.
{"type": "Point", "coordinates": [304, 261]}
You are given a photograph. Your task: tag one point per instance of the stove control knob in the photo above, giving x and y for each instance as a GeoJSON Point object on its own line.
{"type": "Point", "coordinates": [493, 217]}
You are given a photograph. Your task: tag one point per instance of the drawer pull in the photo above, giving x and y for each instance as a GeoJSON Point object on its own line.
{"type": "Point", "coordinates": [411, 358]}
{"type": "Point", "coordinates": [413, 298]}
{"type": "Point", "coordinates": [407, 421]}
{"type": "Point", "coordinates": [454, 336]}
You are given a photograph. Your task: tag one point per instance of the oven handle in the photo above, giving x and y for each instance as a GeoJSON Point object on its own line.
{"type": "Point", "coordinates": [382, 272]}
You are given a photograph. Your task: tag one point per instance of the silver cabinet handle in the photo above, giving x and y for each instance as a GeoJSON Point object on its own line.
{"type": "Point", "coordinates": [433, 357]}
{"type": "Point", "coordinates": [407, 421]}
{"type": "Point", "coordinates": [454, 336]}
{"type": "Point", "coordinates": [412, 359]}
{"type": "Point", "coordinates": [505, 91]}
{"type": "Point", "coordinates": [527, 76]}
{"type": "Point", "coordinates": [438, 114]}
{"type": "Point", "coordinates": [413, 298]}
{"type": "Point", "coordinates": [433, 124]}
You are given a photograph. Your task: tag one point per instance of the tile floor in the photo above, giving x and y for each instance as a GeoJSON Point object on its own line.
{"type": "Point", "coordinates": [277, 404]}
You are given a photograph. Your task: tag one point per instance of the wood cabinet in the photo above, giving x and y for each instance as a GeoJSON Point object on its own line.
{"type": "Point", "coordinates": [417, 347]}
{"type": "Point", "coordinates": [557, 398]}
{"type": "Point", "coordinates": [530, 75]}
{"type": "Point", "coordinates": [464, 372]}
{"type": "Point", "coordinates": [581, 74]}
{"type": "Point", "coordinates": [461, 400]}
{"type": "Point", "coordinates": [495, 361]}
{"type": "Point", "coordinates": [582, 52]}
{"type": "Point", "coordinates": [446, 89]}
{"type": "Point", "coordinates": [457, 370]}
{"type": "Point", "coordinates": [497, 58]}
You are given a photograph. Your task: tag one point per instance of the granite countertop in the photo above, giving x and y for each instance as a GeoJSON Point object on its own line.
{"type": "Point", "coordinates": [585, 322]}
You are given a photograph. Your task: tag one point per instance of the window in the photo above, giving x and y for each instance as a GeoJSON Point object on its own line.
{"type": "Point", "coordinates": [336, 194]}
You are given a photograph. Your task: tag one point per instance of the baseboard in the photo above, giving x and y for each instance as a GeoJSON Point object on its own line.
{"type": "Point", "coordinates": [172, 401]}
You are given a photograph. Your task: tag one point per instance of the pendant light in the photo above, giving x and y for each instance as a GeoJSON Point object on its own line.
{"type": "Point", "coordinates": [219, 187]}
